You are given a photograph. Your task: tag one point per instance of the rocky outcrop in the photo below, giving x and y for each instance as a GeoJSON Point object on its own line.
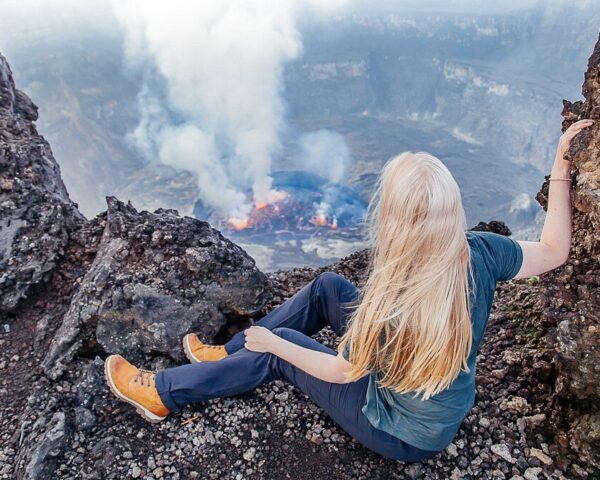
{"type": "Point", "coordinates": [49, 441]}
{"type": "Point", "coordinates": [156, 276]}
{"type": "Point", "coordinates": [494, 226]}
{"type": "Point", "coordinates": [571, 293]}
{"type": "Point", "coordinates": [134, 282]}
{"type": "Point", "coordinates": [36, 214]}
{"type": "Point", "coordinates": [124, 282]}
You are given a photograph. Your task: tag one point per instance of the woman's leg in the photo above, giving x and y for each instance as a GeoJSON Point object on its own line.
{"type": "Point", "coordinates": [244, 370]}
{"type": "Point", "coordinates": [326, 300]}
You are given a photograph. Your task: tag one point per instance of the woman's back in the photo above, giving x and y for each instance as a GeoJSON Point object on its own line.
{"type": "Point", "coordinates": [432, 424]}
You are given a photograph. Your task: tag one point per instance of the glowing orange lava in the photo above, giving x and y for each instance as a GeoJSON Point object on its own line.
{"type": "Point", "coordinates": [254, 214]}
{"type": "Point", "coordinates": [319, 219]}
{"type": "Point", "coordinates": [277, 196]}
{"type": "Point", "coordinates": [241, 224]}
{"type": "Point", "coordinates": [280, 195]}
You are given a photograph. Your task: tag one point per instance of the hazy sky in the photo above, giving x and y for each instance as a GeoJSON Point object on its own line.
{"type": "Point", "coordinates": [25, 22]}
{"type": "Point", "coordinates": [17, 16]}
{"type": "Point", "coordinates": [230, 136]}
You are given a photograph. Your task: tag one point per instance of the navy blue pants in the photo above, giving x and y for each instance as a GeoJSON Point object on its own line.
{"type": "Point", "coordinates": [326, 300]}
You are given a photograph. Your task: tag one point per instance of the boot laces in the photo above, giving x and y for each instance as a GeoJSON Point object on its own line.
{"type": "Point", "coordinates": [149, 375]}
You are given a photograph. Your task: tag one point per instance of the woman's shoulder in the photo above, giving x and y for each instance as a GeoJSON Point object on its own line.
{"type": "Point", "coordinates": [486, 241]}
{"type": "Point", "coordinates": [477, 235]}
{"type": "Point", "coordinates": [501, 254]}
{"type": "Point", "coordinates": [474, 241]}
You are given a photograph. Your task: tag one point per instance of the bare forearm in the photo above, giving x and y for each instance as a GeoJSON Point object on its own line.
{"type": "Point", "coordinates": [555, 241]}
{"type": "Point", "coordinates": [318, 364]}
{"type": "Point", "coordinates": [556, 232]}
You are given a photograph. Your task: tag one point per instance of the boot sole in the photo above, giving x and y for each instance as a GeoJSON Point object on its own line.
{"type": "Point", "coordinates": [144, 412]}
{"type": "Point", "coordinates": [187, 350]}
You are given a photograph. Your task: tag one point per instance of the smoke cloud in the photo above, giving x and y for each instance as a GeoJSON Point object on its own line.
{"type": "Point", "coordinates": [216, 108]}
{"type": "Point", "coordinates": [325, 153]}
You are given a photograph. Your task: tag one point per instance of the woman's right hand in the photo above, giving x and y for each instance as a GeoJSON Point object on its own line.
{"type": "Point", "coordinates": [260, 339]}
{"type": "Point", "coordinates": [570, 133]}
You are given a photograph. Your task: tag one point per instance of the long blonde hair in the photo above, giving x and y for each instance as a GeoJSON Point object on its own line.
{"type": "Point", "coordinates": [413, 322]}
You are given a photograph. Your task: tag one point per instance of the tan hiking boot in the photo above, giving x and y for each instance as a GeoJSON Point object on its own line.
{"type": "Point", "coordinates": [135, 386]}
{"type": "Point", "coordinates": [196, 351]}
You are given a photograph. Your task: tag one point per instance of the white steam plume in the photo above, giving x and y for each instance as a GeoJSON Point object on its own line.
{"type": "Point", "coordinates": [326, 153]}
{"type": "Point", "coordinates": [211, 102]}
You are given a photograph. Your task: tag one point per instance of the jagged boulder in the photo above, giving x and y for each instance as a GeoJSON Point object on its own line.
{"type": "Point", "coordinates": [494, 226]}
{"type": "Point", "coordinates": [131, 282]}
{"type": "Point", "coordinates": [47, 441]}
{"type": "Point", "coordinates": [571, 293]}
{"type": "Point", "coordinates": [36, 214]}
{"type": "Point", "coordinates": [155, 277]}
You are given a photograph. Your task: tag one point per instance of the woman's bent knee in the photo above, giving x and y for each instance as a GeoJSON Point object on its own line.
{"type": "Point", "coordinates": [299, 338]}
{"type": "Point", "coordinates": [285, 332]}
{"type": "Point", "coordinates": [330, 278]}
{"type": "Point", "coordinates": [293, 336]}
{"type": "Point", "coordinates": [337, 288]}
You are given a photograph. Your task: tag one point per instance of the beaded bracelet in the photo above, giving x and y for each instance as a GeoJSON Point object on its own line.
{"type": "Point", "coordinates": [564, 179]}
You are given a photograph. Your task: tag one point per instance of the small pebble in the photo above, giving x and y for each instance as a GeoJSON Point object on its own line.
{"type": "Point", "coordinates": [502, 451]}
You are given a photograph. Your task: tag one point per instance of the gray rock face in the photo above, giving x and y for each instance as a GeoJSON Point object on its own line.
{"type": "Point", "coordinates": [571, 293]}
{"type": "Point", "coordinates": [585, 437]}
{"type": "Point", "coordinates": [134, 282]}
{"type": "Point", "coordinates": [131, 282]}
{"type": "Point", "coordinates": [156, 276]}
{"type": "Point", "coordinates": [36, 214]}
{"type": "Point", "coordinates": [48, 441]}
{"type": "Point", "coordinates": [494, 226]}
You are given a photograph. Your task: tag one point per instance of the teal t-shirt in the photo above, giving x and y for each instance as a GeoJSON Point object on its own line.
{"type": "Point", "coordinates": [432, 424]}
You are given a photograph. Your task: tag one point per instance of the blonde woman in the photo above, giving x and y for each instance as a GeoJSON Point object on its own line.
{"type": "Point", "coordinates": [403, 378]}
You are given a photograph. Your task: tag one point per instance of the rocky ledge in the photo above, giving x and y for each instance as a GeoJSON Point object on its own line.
{"type": "Point", "coordinates": [74, 290]}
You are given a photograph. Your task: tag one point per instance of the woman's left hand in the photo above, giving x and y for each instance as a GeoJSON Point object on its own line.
{"type": "Point", "coordinates": [570, 133]}
{"type": "Point", "coordinates": [259, 339]}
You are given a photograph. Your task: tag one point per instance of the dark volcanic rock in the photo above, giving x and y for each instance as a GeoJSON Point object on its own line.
{"type": "Point", "coordinates": [585, 437]}
{"type": "Point", "coordinates": [571, 293]}
{"type": "Point", "coordinates": [124, 282]}
{"type": "Point", "coordinates": [45, 445]}
{"type": "Point", "coordinates": [494, 226]}
{"type": "Point", "coordinates": [156, 277]}
{"type": "Point", "coordinates": [36, 214]}
{"type": "Point", "coordinates": [134, 282]}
